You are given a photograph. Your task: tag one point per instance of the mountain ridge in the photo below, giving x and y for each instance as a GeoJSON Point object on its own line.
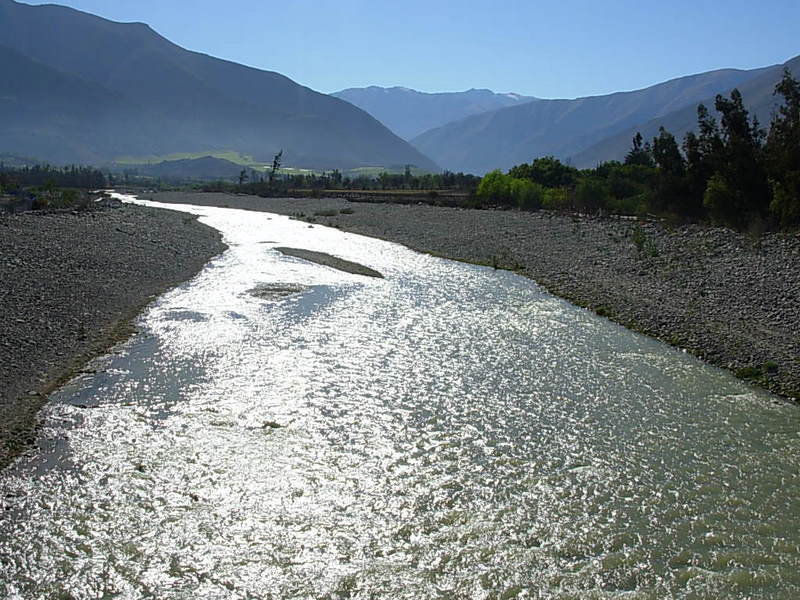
{"type": "Point", "coordinates": [409, 112]}
{"type": "Point", "coordinates": [563, 128]}
{"type": "Point", "coordinates": [196, 102]}
{"type": "Point", "coordinates": [757, 94]}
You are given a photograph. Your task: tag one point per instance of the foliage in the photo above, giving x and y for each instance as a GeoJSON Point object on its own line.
{"type": "Point", "coordinates": [729, 172]}
{"type": "Point", "coordinates": [547, 171]}
{"type": "Point", "coordinates": [557, 198]}
{"type": "Point", "coordinates": [526, 194]}
{"type": "Point", "coordinates": [504, 190]}
{"type": "Point", "coordinates": [495, 187]}
{"type": "Point", "coordinates": [782, 153]}
{"type": "Point", "coordinates": [591, 194]}
{"type": "Point", "coordinates": [639, 154]}
{"type": "Point", "coordinates": [41, 175]}
{"type": "Point", "coordinates": [335, 180]}
{"type": "Point", "coordinates": [44, 187]}
{"type": "Point", "coordinates": [645, 245]}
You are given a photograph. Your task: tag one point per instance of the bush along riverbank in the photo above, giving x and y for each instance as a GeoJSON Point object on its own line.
{"type": "Point", "coordinates": [72, 281]}
{"type": "Point", "coordinates": [730, 298]}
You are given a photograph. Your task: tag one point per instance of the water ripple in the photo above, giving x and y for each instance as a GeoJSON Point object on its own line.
{"type": "Point", "coordinates": [447, 432]}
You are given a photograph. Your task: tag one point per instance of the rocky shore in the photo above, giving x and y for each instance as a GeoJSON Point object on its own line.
{"type": "Point", "coordinates": [71, 283]}
{"type": "Point", "coordinates": [730, 298]}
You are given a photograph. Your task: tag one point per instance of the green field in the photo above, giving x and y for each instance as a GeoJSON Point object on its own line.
{"type": "Point", "coordinates": [375, 171]}
{"type": "Point", "coordinates": [238, 158]}
{"type": "Point", "coordinates": [247, 161]}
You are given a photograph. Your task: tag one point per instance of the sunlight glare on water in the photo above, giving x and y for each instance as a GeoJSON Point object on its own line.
{"type": "Point", "coordinates": [449, 431]}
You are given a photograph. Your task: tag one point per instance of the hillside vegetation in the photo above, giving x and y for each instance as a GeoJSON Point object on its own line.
{"type": "Point", "coordinates": [730, 172]}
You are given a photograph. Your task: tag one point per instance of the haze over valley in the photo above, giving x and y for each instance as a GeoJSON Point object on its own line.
{"type": "Point", "coordinates": [84, 89]}
{"type": "Point", "coordinates": [88, 90]}
{"type": "Point", "coordinates": [410, 113]}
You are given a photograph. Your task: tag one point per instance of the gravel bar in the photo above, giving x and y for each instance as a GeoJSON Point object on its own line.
{"type": "Point", "coordinates": [70, 285]}
{"type": "Point", "coordinates": [729, 298]}
{"type": "Point", "coordinates": [334, 262]}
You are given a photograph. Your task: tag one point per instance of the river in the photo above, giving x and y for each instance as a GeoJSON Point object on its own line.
{"type": "Point", "coordinates": [450, 431]}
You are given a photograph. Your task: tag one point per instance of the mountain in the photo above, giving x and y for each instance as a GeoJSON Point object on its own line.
{"type": "Point", "coordinates": [758, 96]}
{"type": "Point", "coordinates": [56, 116]}
{"type": "Point", "coordinates": [96, 89]}
{"type": "Point", "coordinates": [564, 128]}
{"type": "Point", "coordinates": [409, 113]}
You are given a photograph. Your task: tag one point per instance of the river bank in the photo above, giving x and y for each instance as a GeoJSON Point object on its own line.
{"type": "Point", "coordinates": [72, 282]}
{"type": "Point", "coordinates": [729, 298]}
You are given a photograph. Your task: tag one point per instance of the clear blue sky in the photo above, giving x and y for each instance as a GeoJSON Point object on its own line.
{"type": "Point", "coordinates": [557, 49]}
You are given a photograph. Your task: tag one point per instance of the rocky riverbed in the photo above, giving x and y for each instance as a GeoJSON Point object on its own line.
{"type": "Point", "coordinates": [730, 298]}
{"type": "Point", "coordinates": [70, 283]}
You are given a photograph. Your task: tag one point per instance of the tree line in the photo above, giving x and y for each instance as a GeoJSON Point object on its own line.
{"type": "Point", "coordinates": [16, 178]}
{"type": "Point", "coordinates": [730, 172]}
{"type": "Point", "coordinates": [43, 186]}
{"type": "Point", "coordinates": [274, 184]}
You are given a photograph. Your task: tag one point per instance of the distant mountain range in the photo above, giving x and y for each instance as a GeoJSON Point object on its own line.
{"type": "Point", "coordinates": [586, 131]}
{"type": "Point", "coordinates": [79, 88]}
{"type": "Point", "coordinates": [410, 113]}
{"type": "Point", "coordinates": [76, 88]}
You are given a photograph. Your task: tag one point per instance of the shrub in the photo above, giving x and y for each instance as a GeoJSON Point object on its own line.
{"type": "Point", "coordinates": [749, 372]}
{"type": "Point", "coordinates": [556, 199]}
{"type": "Point", "coordinates": [495, 187]}
{"type": "Point", "coordinates": [591, 195]}
{"type": "Point", "coordinates": [644, 243]}
{"type": "Point", "coordinates": [526, 194]}
{"type": "Point", "coordinates": [632, 205]}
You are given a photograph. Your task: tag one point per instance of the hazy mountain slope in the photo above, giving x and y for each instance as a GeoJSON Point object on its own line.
{"type": "Point", "coordinates": [410, 113]}
{"type": "Point", "coordinates": [200, 103]}
{"type": "Point", "coordinates": [758, 97]}
{"type": "Point", "coordinates": [563, 128]}
{"type": "Point", "coordinates": [47, 113]}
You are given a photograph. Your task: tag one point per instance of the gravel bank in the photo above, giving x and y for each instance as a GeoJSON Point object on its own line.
{"type": "Point", "coordinates": [729, 298]}
{"type": "Point", "coordinates": [71, 282]}
{"type": "Point", "coordinates": [334, 262]}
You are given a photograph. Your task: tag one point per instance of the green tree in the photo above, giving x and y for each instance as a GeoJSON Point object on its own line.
{"type": "Point", "coordinates": [666, 154]}
{"type": "Point", "coordinates": [547, 171]}
{"type": "Point", "coordinates": [276, 167]}
{"type": "Point", "coordinates": [704, 153]}
{"type": "Point", "coordinates": [639, 154]}
{"type": "Point", "coordinates": [738, 166]}
{"type": "Point", "coordinates": [671, 191]}
{"type": "Point", "coordinates": [495, 186]}
{"type": "Point", "coordinates": [591, 195]}
{"type": "Point", "coordinates": [783, 154]}
{"type": "Point", "coordinates": [526, 194]}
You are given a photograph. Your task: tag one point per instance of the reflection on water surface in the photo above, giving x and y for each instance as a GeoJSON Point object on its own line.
{"type": "Point", "coordinates": [447, 432]}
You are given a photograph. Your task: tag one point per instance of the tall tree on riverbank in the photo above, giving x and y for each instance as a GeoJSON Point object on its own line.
{"type": "Point", "coordinates": [640, 153]}
{"type": "Point", "coordinates": [783, 154]}
{"type": "Point", "coordinates": [671, 193]}
{"type": "Point", "coordinates": [738, 193]}
{"type": "Point", "coordinates": [276, 167]}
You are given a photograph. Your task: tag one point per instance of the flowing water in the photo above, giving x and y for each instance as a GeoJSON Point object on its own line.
{"type": "Point", "coordinates": [449, 431]}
